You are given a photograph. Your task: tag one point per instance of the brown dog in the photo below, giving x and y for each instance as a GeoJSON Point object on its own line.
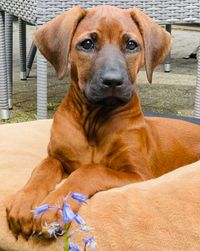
{"type": "Point", "coordinates": [99, 136]}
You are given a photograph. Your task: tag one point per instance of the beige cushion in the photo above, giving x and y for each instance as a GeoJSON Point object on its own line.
{"type": "Point", "coordinates": [161, 214]}
{"type": "Point", "coordinates": [22, 147]}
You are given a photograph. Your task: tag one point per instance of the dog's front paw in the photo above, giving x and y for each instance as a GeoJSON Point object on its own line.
{"type": "Point", "coordinates": [55, 211]}
{"type": "Point", "coordinates": [19, 212]}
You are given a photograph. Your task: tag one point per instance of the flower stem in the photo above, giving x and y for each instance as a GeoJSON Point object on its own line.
{"type": "Point", "coordinates": [66, 241]}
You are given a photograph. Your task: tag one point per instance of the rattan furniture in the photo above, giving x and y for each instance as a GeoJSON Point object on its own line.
{"type": "Point", "coordinates": [38, 12]}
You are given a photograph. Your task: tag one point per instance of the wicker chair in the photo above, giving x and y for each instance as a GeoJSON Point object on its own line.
{"type": "Point", "coordinates": [38, 12]}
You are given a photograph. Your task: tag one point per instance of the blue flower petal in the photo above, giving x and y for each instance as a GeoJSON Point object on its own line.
{"type": "Point", "coordinates": [73, 247]}
{"type": "Point", "coordinates": [41, 209]}
{"type": "Point", "coordinates": [72, 232]}
{"type": "Point", "coordinates": [52, 232]}
{"type": "Point", "coordinates": [88, 239]}
{"type": "Point", "coordinates": [80, 197]}
{"type": "Point", "coordinates": [54, 229]}
{"type": "Point", "coordinates": [79, 219]}
{"type": "Point", "coordinates": [93, 245]}
{"type": "Point", "coordinates": [67, 214]}
{"type": "Point", "coordinates": [91, 242]}
{"type": "Point", "coordinates": [85, 228]}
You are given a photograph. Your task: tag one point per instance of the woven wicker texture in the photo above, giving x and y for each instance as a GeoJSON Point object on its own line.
{"type": "Point", "coordinates": [41, 86]}
{"type": "Point", "coordinates": [9, 54]}
{"type": "Point", "coordinates": [162, 11]}
{"type": "Point", "coordinates": [25, 9]}
{"type": "Point", "coordinates": [3, 71]}
{"type": "Point", "coordinates": [197, 98]}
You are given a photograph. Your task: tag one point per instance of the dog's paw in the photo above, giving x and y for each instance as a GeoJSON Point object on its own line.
{"type": "Point", "coordinates": [56, 214]}
{"type": "Point", "coordinates": [19, 213]}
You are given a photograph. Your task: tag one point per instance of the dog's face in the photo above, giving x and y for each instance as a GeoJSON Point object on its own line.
{"type": "Point", "coordinates": [107, 55]}
{"type": "Point", "coordinates": [107, 46]}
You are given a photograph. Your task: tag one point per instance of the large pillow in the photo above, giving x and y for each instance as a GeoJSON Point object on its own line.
{"type": "Point", "coordinates": [160, 214]}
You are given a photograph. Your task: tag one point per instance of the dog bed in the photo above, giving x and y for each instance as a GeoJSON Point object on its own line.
{"type": "Point", "coordinates": [160, 214]}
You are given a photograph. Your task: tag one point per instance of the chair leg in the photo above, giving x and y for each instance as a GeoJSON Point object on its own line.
{"type": "Point", "coordinates": [9, 55]}
{"type": "Point", "coordinates": [4, 111]}
{"type": "Point", "coordinates": [197, 98]}
{"type": "Point", "coordinates": [30, 59]}
{"type": "Point", "coordinates": [22, 48]}
{"type": "Point", "coordinates": [41, 86]}
{"type": "Point", "coordinates": [167, 65]}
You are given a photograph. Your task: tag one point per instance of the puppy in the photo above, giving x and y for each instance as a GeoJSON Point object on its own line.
{"type": "Point", "coordinates": [99, 136]}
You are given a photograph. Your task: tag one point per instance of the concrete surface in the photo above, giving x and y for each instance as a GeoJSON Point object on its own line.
{"type": "Point", "coordinates": [172, 92]}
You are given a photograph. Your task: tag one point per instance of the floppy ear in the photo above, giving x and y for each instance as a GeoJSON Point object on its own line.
{"type": "Point", "coordinates": [53, 39]}
{"type": "Point", "coordinates": [157, 41]}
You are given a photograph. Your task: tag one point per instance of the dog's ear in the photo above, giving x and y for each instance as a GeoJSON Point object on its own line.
{"type": "Point", "coordinates": [53, 39]}
{"type": "Point", "coordinates": [157, 41]}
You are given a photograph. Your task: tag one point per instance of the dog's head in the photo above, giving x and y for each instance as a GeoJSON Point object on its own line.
{"type": "Point", "coordinates": [106, 47]}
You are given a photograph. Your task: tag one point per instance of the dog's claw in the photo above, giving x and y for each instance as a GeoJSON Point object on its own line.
{"type": "Point", "coordinates": [9, 226]}
{"type": "Point", "coordinates": [39, 234]}
{"type": "Point", "coordinates": [26, 237]}
{"type": "Point", "coordinates": [33, 233]}
{"type": "Point", "coordinates": [16, 236]}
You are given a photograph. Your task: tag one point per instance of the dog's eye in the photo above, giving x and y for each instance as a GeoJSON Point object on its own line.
{"type": "Point", "coordinates": [87, 44]}
{"type": "Point", "coordinates": [131, 45]}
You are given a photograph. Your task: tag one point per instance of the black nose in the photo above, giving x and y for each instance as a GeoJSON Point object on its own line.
{"type": "Point", "coordinates": [112, 79]}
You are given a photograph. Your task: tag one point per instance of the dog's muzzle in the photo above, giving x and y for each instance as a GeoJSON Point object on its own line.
{"type": "Point", "coordinates": [109, 89]}
{"type": "Point", "coordinates": [110, 83]}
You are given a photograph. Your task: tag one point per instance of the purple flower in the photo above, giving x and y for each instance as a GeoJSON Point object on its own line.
{"type": "Point", "coordinates": [85, 228]}
{"type": "Point", "coordinates": [79, 219]}
{"type": "Point", "coordinates": [73, 247]}
{"type": "Point", "coordinates": [41, 209]}
{"type": "Point", "coordinates": [91, 242]}
{"type": "Point", "coordinates": [80, 197]}
{"type": "Point", "coordinates": [73, 232]}
{"type": "Point", "coordinates": [54, 229]}
{"type": "Point", "coordinates": [67, 214]}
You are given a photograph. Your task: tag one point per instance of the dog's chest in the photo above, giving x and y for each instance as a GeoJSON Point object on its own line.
{"type": "Point", "coordinates": [71, 153]}
{"type": "Point", "coordinates": [85, 153]}
{"type": "Point", "coordinates": [71, 146]}
{"type": "Point", "coordinates": [76, 151]}
{"type": "Point", "coordinates": [75, 156]}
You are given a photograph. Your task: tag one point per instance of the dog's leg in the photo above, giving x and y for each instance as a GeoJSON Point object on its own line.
{"type": "Point", "coordinates": [43, 180]}
{"type": "Point", "coordinates": [87, 180]}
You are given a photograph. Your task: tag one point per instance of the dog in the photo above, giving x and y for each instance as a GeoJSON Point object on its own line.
{"type": "Point", "coordinates": [100, 138]}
